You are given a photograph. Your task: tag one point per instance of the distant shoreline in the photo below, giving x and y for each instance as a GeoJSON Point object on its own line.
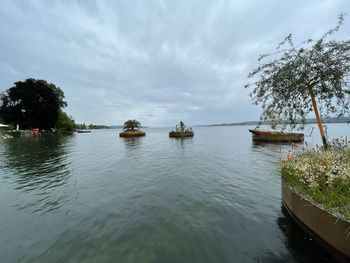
{"type": "Point", "coordinates": [246, 123]}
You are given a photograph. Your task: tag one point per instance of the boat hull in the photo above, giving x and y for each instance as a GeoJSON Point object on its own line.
{"type": "Point", "coordinates": [83, 131]}
{"type": "Point", "coordinates": [332, 233]}
{"type": "Point", "coordinates": [268, 136]}
{"type": "Point", "coordinates": [180, 134]}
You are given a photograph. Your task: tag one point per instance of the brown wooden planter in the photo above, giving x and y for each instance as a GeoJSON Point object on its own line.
{"type": "Point", "coordinates": [175, 134]}
{"type": "Point", "coordinates": [132, 134]}
{"type": "Point", "coordinates": [332, 233]}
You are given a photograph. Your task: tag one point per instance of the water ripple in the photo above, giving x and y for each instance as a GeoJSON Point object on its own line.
{"type": "Point", "coordinates": [100, 198]}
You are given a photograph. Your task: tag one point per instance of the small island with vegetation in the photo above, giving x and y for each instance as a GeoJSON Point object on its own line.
{"type": "Point", "coordinates": [181, 131]}
{"type": "Point", "coordinates": [132, 129]}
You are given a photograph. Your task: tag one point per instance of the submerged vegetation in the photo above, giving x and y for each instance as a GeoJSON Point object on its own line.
{"type": "Point", "coordinates": [323, 176]}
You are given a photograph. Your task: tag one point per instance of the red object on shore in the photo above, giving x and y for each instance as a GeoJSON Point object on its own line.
{"type": "Point", "coordinates": [35, 131]}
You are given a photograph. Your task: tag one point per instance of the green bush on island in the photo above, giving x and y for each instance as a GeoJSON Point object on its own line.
{"type": "Point", "coordinates": [132, 129]}
{"type": "Point", "coordinates": [323, 177]}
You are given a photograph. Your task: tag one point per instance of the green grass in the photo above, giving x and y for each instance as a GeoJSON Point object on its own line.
{"type": "Point", "coordinates": [323, 177]}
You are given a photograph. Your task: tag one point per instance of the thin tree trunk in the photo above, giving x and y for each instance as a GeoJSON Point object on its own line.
{"type": "Point", "coordinates": [317, 115]}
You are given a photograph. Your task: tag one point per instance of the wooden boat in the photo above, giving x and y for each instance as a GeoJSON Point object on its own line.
{"type": "Point", "coordinates": [331, 232]}
{"type": "Point", "coordinates": [83, 131]}
{"type": "Point", "coordinates": [273, 136]}
{"type": "Point", "coordinates": [180, 134]}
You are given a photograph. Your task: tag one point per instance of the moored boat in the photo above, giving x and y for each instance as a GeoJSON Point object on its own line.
{"type": "Point", "coordinates": [331, 232]}
{"type": "Point", "coordinates": [274, 136]}
{"type": "Point", "coordinates": [83, 131]}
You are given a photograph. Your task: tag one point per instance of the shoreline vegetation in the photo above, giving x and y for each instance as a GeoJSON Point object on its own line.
{"type": "Point", "coordinates": [83, 126]}
{"type": "Point", "coordinates": [322, 176]}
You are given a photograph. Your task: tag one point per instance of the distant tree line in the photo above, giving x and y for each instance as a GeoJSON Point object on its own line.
{"type": "Point", "coordinates": [83, 126]}
{"type": "Point", "coordinates": [307, 121]}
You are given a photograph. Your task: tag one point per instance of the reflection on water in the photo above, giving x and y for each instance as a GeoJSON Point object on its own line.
{"type": "Point", "coordinates": [262, 147]}
{"type": "Point", "coordinates": [182, 142]}
{"type": "Point", "coordinates": [37, 166]}
{"type": "Point", "coordinates": [270, 145]}
{"type": "Point", "coordinates": [132, 143]}
{"type": "Point", "coordinates": [211, 198]}
{"type": "Point", "coordinates": [270, 257]}
{"type": "Point", "coordinates": [299, 243]}
{"type": "Point", "coordinates": [299, 247]}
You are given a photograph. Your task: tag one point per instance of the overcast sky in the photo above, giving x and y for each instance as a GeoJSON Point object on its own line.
{"type": "Point", "coordinates": [156, 61]}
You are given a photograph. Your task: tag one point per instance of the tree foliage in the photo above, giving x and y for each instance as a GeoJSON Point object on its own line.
{"type": "Point", "coordinates": [32, 104]}
{"type": "Point", "coordinates": [65, 124]}
{"type": "Point", "coordinates": [283, 85]}
{"type": "Point", "coordinates": [131, 125]}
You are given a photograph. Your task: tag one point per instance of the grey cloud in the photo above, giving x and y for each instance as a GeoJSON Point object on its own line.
{"type": "Point", "coordinates": [157, 61]}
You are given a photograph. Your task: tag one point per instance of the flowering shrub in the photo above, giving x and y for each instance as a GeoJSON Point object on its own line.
{"type": "Point", "coordinates": [323, 176]}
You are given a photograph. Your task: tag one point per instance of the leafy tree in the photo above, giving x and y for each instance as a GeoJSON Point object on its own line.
{"type": "Point", "coordinates": [131, 125]}
{"type": "Point", "coordinates": [32, 104]}
{"type": "Point", "coordinates": [65, 124]}
{"type": "Point", "coordinates": [80, 126]}
{"type": "Point", "coordinates": [296, 76]}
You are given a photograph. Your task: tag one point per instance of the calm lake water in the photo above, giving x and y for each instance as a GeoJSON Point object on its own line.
{"type": "Point", "coordinates": [100, 198]}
